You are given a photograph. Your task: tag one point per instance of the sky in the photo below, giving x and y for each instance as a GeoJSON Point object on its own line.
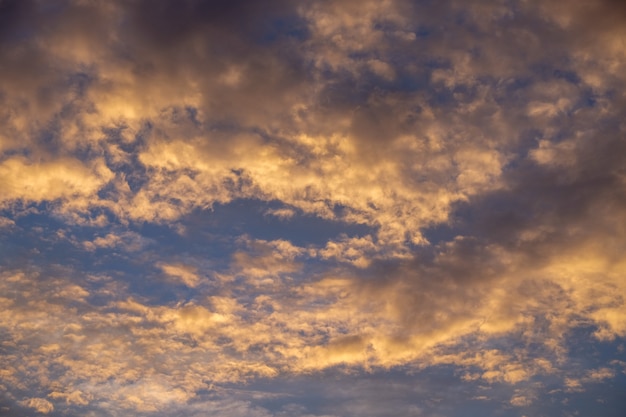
{"type": "Point", "coordinates": [316, 208]}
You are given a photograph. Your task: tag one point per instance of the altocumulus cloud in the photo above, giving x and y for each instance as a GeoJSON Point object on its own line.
{"type": "Point", "coordinates": [315, 208]}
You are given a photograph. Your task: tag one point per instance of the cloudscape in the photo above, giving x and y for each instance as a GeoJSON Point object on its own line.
{"type": "Point", "coordinates": [316, 208]}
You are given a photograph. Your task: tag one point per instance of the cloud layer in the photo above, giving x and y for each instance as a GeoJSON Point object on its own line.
{"type": "Point", "coordinates": [223, 208]}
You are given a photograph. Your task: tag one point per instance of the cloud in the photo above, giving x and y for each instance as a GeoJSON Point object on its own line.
{"type": "Point", "coordinates": [467, 158]}
{"type": "Point", "coordinates": [5, 222]}
{"type": "Point", "coordinates": [352, 250]}
{"type": "Point", "coordinates": [520, 401]}
{"type": "Point", "coordinates": [282, 213]}
{"type": "Point", "coordinates": [61, 179]}
{"type": "Point", "coordinates": [74, 397]}
{"type": "Point", "coordinates": [216, 172]}
{"type": "Point", "coordinates": [127, 241]}
{"type": "Point", "coordinates": [185, 273]}
{"type": "Point", "coordinates": [41, 405]}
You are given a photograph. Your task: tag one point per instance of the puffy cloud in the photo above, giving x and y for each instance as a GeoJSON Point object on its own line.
{"type": "Point", "coordinates": [74, 397]}
{"type": "Point", "coordinates": [520, 401]}
{"type": "Point", "coordinates": [59, 179]}
{"type": "Point", "coordinates": [41, 405]}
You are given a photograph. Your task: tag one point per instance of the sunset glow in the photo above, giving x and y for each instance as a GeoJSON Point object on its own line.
{"type": "Point", "coordinates": [317, 208]}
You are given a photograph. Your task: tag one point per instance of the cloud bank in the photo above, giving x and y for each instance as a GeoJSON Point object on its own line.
{"type": "Point", "coordinates": [228, 208]}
